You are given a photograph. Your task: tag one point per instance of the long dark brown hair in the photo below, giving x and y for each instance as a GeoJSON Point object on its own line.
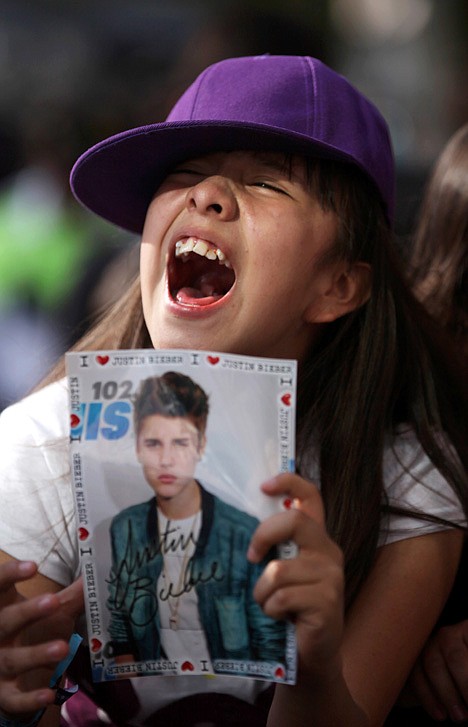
{"type": "Point", "coordinates": [383, 365]}
{"type": "Point", "coordinates": [438, 261]}
{"type": "Point", "coordinates": [375, 368]}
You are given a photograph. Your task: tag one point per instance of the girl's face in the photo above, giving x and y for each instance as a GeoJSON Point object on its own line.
{"type": "Point", "coordinates": [169, 448]}
{"type": "Point", "coordinates": [229, 257]}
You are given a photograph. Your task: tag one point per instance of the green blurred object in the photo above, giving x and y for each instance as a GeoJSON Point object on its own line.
{"type": "Point", "coordinates": [45, 245]}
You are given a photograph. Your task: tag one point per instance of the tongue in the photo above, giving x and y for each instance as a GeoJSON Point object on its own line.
{"type": "Point", "coordinates": [192, 296]}
{"type": "Point", "coordinates": [204, 293]}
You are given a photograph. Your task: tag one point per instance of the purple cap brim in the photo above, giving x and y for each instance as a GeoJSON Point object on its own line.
{"type": "Point", "coordinates": [106, 181]}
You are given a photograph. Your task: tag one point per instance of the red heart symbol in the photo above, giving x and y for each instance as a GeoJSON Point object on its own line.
{"type": "Point", "coordinates": [279, 673]}
{"type": "Point", "coordinates": [286, 399]}
{"type": "Point", "coordinates": [213, 360]}
{"type": "Point", "coordinates": [96, 645]}
{"type": "Point", "coordinates": [82, 533]}
{"type": "Point", "coordinates": [102, 360]}
{"type": "Point", "coordinates": [74, 421]}
{"type": "Point", "coordinates": [287, 504]}
{"type": "Point", "coordinates": [187, 666]}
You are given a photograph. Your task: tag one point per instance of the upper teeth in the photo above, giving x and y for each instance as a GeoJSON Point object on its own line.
{"type": "Point", "coordinates": [200, 247]}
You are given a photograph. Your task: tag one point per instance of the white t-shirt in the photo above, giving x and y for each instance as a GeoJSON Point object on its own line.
{"type": "Point", "coordinates": [37, 519]}
{"type": "Point", "coordinates": [181, 630]}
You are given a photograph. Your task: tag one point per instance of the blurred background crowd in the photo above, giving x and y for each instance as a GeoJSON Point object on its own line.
{"type": "Point", "coordinates": [74, 72]}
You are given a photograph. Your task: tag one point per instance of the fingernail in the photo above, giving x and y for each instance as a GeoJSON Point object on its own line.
{"type": "Point", "coordinates": [252, 554]}
{"type": "Point", "coordinates": [25, 566]}
{"type": "Point", "coordinates": [45, 601]}
{"type": "Point", "coordinates": [438, 715]}
{"type": "Point", "coordinates": [44, 698]}
{"type": "Point", "coordinates": [54, 649]}
{"type": "Point", "coordinates": [458, 713]}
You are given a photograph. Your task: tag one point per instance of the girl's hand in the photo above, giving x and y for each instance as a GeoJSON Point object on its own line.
{"type": "Point", "coordinates": [34, 635]}
{"type": "Point", "coordinates": [440, 677]}
{"type": "Point", "coordinates": [309, 588]}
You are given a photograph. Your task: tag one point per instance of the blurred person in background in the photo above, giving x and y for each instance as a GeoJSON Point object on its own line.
{"type": "Point", "coordinates": [51, 258]}
{"type": "Point", "coordinates": [439, 254]}
{"type": "Point", "coordinates": [438, 269]}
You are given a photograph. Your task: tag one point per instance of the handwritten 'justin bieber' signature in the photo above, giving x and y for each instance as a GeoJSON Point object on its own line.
{"type": "Point", "coordinates": [137, 595]}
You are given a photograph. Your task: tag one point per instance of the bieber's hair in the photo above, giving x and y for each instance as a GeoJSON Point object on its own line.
{"type": "Point", "coordinates": [171, 395]}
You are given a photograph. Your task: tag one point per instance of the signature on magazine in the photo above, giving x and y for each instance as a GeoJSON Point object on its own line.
{"type": "Point", "coordinates": [138, 595]}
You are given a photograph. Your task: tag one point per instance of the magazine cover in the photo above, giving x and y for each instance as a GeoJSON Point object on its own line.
{"type": "Point", "coordinates": [168, 452]}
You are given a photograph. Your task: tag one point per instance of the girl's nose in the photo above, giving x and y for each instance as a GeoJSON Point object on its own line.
{"type": "Point", "coordinates": [213, 196]}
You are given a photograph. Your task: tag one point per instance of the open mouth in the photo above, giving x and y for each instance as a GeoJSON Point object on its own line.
{"type": "Point", "coordinates": [199, 273]}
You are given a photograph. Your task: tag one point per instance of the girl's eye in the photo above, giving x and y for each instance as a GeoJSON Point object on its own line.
{"type": "Point", "coordinates": [269, 185]}
{"type": "Point", "coordinates": [186, 170]}
{"type": "Point", "coordinates": [183, 177]}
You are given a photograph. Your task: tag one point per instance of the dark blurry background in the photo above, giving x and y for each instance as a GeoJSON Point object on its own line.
{"type": "Point", "coordinates": [74, 71]}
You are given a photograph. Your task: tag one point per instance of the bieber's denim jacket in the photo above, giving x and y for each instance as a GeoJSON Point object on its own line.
{"type": "Point", "coordinates": [234, 624]}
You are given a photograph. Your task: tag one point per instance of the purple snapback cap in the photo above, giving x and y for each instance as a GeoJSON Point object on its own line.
{"type": "Point", "coordinates": [294, 104]}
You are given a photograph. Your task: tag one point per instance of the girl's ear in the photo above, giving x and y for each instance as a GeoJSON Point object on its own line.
{"type": "Point", "coordinates": [344, 290]}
